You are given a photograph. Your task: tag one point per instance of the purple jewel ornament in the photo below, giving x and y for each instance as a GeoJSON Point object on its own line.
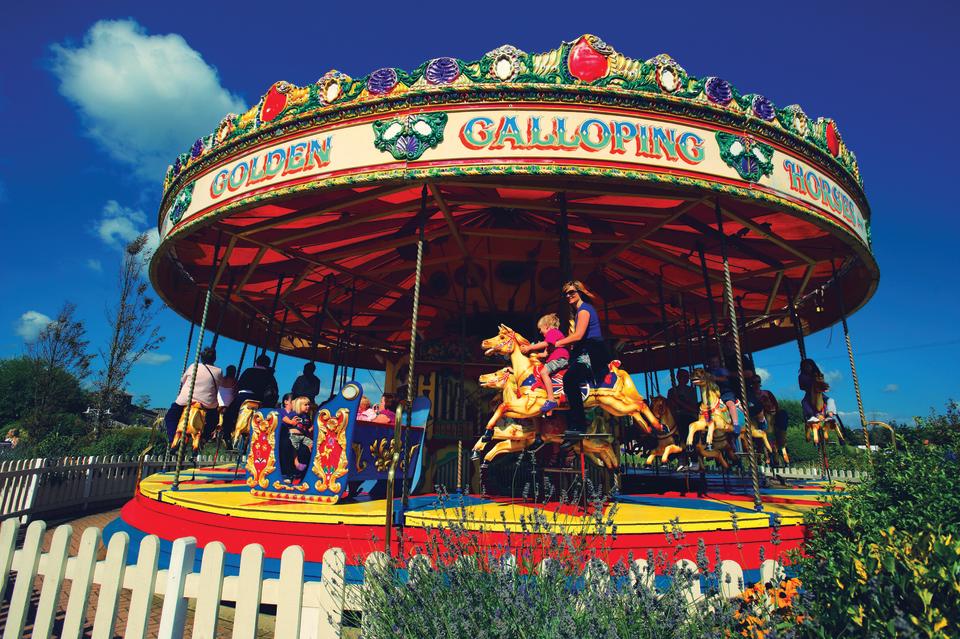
{"type": "Point", "coordinates": [763, 108]}
{"type": "Point", "coordinates": [177, 166]}
{"type": "Point", "coordinates": [719, 91]}
{"type": "Point", "coordinates": [382, 81]}
{"type": "Point", "coordinates": [197, 148]}
{"type": "Point", "coordinates": [442, 71]}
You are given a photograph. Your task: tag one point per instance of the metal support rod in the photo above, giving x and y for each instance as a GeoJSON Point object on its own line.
{"type": "Point", "coordinates": [243, 351]}
{"type": "Point", "coordinates": [353, 294]}
{"type": "Point", "coordinates": [713, 311]}
{"type": "Point", "coordinates": [318, 321]}
{"type": "Point", "coordinates": [196, 365]}
{"type": "Point", "coordinates": [223, 311]}
{"type": "Point", "coordinates": [735, 333]}
{"type": "Point", "coordinates": [795, 318]}
{"type": "Point", "coordinates": [566, 270]}
{"type": "Point", "coordinates": [663, 322]}
{"type": "Point", "coordinates": [853, 366]}
{"type": "Point", "coordinates": [687, 337]}
{"type": "Point", "coordinates": [401, 453]}
{"type": "Point", "coordinates": [193, 323]}
{"type": "Point", "coordinates": [283, 325]}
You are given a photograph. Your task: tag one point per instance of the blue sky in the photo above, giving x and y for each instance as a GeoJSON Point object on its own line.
{"type": "Point", "coordinates": [88, 131]}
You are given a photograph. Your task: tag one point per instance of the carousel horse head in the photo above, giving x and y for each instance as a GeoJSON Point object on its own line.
{"type": "Point", "coordinates": [505, 342]}
{"type": "Point", "coordinates": [497, 379]}
{"type": "Point", "coordinates": [700, 377]}
{"type": "Point", "coordinates": [661, 409]}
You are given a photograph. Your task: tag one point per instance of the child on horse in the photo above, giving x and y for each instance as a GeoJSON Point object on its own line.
{"type": "Point", "coordinates": [557, 357]}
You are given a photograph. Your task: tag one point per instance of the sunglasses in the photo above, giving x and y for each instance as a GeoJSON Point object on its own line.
{"type": "Point", "coordinates": [570, 293]}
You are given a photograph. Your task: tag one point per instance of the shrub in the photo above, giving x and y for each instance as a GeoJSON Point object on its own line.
{"type": "Point", "coordinates": [548, 586]}
{"type": "Point", "coordinates": [883, 558]}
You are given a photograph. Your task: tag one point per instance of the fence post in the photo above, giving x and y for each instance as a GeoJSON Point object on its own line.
{"type": "Point", "coordinates": [251, 587]}
{"type": "Point", "coordinates": [81, 581]}
{"type": "Point", "coordinates": [209, 591]}
{"type": "Point", "coordinates": [87, 481]}
{"type": "Point", "coordinates": [8, 545]}
{"type": "Point", "coordinates": [110, 586]}
{"type": "Point", "coordinates": [141, 595]}
{"type": "Point", "coordinates": [23, 587]}
{"type": "Point", "coordinates": [31, 498]}
{"type": "Point", "coordinates": [290, 605]}
{"type": "Point", "coordinates": [173, 613]}
{"type": "Point", "coordinates": [56, 565]}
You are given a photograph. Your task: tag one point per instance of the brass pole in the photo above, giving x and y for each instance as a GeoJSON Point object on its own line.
{"type": "Point", "coordinates": [735, 333]}
{"type": "Point", "coordinates": [853, 367]}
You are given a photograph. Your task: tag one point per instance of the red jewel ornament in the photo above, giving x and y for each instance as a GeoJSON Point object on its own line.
{"type": "Point", "coordinates": [273, 103]}
{"type": "Point", "coordinates": [586, 63]}
{"type": "Point", "coordinates": [833, 139]}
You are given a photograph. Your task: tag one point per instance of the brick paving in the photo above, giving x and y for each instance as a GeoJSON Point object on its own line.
{"type": "Point", "coordinates": [100, 520]}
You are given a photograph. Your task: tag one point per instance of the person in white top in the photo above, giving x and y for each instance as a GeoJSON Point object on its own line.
{"type": "Point", "coordinates": [206, 391]}
{"type": "Point", "coordinates": [228, 386]}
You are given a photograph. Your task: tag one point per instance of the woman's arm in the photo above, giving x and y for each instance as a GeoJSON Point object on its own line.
{"type": "Point", "coordinates": [579, 330]}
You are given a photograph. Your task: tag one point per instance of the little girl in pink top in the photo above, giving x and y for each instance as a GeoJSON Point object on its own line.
{"type": "Point", "coordinates": [557, 358]}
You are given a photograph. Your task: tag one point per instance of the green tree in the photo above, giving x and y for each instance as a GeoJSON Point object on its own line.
{"type": "Point", "coordinates": [18, 390]}
{"type": "Point", "coordinates": [133, 332]}
{"type": "Point", "coordinates": [60, 349]}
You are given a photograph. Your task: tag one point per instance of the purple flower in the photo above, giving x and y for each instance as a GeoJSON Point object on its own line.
{"type": "Point", "coordinates": [382, 81]}
{"type": "Point", "coordinates": [442, 71]}
{"type": "Point", "coordinates": [719, 91]}
{"type": "Point", "coordinates": [763, 108]}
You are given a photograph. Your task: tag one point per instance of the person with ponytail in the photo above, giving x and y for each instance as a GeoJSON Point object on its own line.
{"type": "Point", "coordinates": [589, 357]}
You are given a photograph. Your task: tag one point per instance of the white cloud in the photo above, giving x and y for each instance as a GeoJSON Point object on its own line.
{"type": "Point", "coordinates": [30, 325]}
{"type": "Point", "coordinates": [763, 374]}
{"type": "Point", "coordinates": [119, 225]}
{"type": "Point", "coordinates": [94, 265]}
{"type": "Point", "coordinates": [144, 98]}
{"type": "Point", "coordinates": [891, 388]}
{"type": "Point", "coordinates": [154, 359]}
{"type": "Point", "coordinates": [832, 377]}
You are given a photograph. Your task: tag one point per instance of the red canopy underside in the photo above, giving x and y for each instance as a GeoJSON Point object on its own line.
{"type": "Point", "coordinates": [357, 248]}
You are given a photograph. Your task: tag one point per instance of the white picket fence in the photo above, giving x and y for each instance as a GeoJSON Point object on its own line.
{"type": "Point", "coordinates": [303, 609]}
{"type": "Point", "coordinates": [70, 485]}
{"type": "Point", "coordinates": [850, 476]}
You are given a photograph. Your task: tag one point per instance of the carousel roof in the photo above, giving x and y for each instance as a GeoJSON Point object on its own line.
{"type": "Point", "coordinates": [303, 212]}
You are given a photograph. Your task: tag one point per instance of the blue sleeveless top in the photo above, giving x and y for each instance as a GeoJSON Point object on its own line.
{"type": "Point", "coordinates": [593, 328]}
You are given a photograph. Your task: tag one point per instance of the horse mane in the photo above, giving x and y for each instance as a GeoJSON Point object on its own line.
{"type": "Point", "coordinates": [520, 338]}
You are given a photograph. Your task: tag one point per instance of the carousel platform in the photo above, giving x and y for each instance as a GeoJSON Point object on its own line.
{"type": "Point", "coordinates": [213, 505]}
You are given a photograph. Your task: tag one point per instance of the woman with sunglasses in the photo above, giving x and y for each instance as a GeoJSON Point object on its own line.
{"type": "Point", "coordinates": [588, 354]}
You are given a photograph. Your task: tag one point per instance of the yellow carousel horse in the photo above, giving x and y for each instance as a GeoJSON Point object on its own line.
{"type": "Point", "coordinates": [620, 399]}
{"type": "Point", "coordinates": [514, 438]}
{"type": "Point", "coordinates": [822, 422]}
{"type": "Point", "coordinates": [716, 420]}
{"type": "Point", "coordinates": [190, 425]}
{"type": "Point", "coordinates": [666, 438]}
{"type": "Point", "coordinates": [242, 428]}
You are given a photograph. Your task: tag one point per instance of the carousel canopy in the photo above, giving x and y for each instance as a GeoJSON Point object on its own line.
{"type": "Point", "coordinates": [304, 212]}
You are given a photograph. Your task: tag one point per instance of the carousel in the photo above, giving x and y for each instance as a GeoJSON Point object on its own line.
{"type": "Point", "coordinates": [421, 222]}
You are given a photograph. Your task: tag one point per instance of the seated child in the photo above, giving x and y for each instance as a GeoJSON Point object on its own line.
{"type": "Point", "coordinates": [725, 381]}
{"type": "Point", "coordinates": [367, 412]}
{"type": "Point", "coordinates": [300, 423]}
{"type": "Point", "coordinates": [557, 358]}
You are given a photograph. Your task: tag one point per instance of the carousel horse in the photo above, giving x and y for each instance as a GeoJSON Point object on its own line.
{"type": "Point", "coordinates": [514, 438]}
{"type": "Point", "coordinates": [242, 428]}
{"type": "Point", "coordinates": [821, 422]}
{"type": "Point", "coordinates": [714, 416]}
{"type": "Point", "coordinates": [779, 434]}
{"type": "Point", "coordinates": [190, 425]}
{"type": "Point", "coordinates": [617, 395]}
{"type": "Point", "coordinates": [666, 438]}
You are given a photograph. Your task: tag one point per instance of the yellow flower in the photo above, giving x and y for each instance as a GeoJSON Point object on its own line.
{"type": "Point", "coordinates": [861, 571]}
